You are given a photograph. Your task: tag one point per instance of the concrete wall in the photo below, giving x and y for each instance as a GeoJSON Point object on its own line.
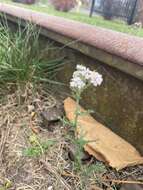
{"type": "Point", "coordinates": [118, 103]}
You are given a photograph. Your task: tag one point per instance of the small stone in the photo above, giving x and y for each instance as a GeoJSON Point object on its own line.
{"type": "Point", "coordinates": [50, 188]}
{"type": "Point", "coordinates": [30, 108]}
{"type": "Point", "coordinates": [131, 187]}
{"type": "Point", "coordinates": [85, 157]}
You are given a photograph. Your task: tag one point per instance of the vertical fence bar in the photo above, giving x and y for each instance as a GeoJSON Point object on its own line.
{"type": "Point", "coordinates": [92, 8]}
{"type": "Point", "coordinates": [130, 20]}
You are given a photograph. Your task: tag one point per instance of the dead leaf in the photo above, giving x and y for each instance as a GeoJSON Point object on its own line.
{"type": "Point", "coordinates": [33, 114]}
{"type": "Point", "coordinates": [35, 130]}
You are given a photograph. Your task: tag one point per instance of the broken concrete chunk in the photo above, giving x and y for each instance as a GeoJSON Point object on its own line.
{"type": "Point", "coordinates": [102, 142]}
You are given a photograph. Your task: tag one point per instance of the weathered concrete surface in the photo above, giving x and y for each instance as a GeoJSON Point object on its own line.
{"type": "Point", "coordinates": [118, 103]}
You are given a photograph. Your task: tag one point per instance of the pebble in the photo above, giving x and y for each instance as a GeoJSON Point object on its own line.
{"type": "Point", "coordinates": [50, 188]}
{"type": "Point", "coordinates": [30, 108]}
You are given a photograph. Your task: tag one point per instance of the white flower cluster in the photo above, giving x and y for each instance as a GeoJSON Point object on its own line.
{"type": "Point", "coordinates": [84, 76]}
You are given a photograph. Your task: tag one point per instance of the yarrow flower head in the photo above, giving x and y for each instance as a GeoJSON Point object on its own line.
{"type": "Point", "coordinates": [96, 78]}
{"type": "Point", "coordinates": [81, 68]}
{"type": "Point", "coordinates": [83, 77]}
{"type": "Point", "coordinates": [77, 83]}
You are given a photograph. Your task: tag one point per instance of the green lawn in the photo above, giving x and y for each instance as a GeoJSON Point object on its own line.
{"type": "Point", "coordinates": [116, 25]}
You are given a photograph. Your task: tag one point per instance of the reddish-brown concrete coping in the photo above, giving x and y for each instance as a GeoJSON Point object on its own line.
{"type": "Point", "coordinates": [125, 46]}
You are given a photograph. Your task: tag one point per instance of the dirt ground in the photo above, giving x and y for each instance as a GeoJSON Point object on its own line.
{"type": "Point", "coordinates": [47, 167]}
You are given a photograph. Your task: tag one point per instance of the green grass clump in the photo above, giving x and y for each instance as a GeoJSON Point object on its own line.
{"type": "Point", "coordinates": [35, 150]}
{"type": "Point", "coordinates": [37, 147]}
{"type": "Point", "coordinates": [22, 61]}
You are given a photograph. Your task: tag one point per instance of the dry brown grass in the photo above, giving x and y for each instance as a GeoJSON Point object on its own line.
{"type": "Point", "coordinates": [35, 173]}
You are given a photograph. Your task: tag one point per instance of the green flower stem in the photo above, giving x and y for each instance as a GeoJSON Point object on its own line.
{"type": "Point", "coordinates": [77, 111]}
{"type": "Point", "coordinates": [39, 144]}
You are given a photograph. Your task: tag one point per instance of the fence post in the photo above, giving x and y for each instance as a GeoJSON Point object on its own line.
{"type": "Point", "coordinates": [130, 20]}
{"type": "Point", "coordinates": [92, 8]}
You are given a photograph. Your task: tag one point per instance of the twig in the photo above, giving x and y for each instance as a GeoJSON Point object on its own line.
{"type": "Point", "coordinates": [124, 181]}
{"type": "Point", "coordinates": [55, 173]}
{"type": "Point", "coordinates": [67, 174]}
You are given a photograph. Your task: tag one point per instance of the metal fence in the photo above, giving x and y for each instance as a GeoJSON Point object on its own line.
{"type": "Point", "coordinates": [124, 9]}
